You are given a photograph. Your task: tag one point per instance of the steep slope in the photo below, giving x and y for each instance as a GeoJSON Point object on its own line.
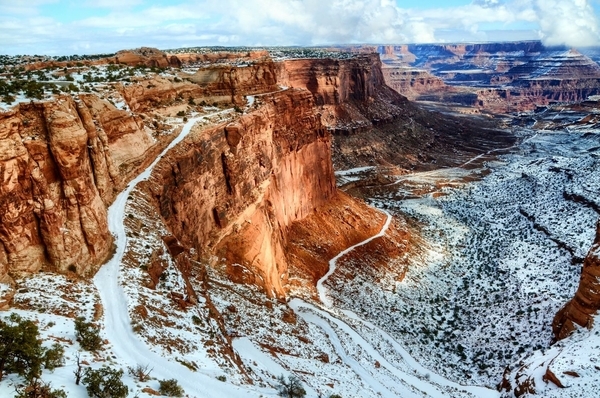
{"type": "Point", "coordinates": [581, 309]}
{"type": "Point", "coordinates": [372, 124]}
{"type": "Point", "coordinates": [234, 191]}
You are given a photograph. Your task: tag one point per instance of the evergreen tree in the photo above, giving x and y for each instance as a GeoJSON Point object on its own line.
{"type": "Point", "coordinates": [20, 350]}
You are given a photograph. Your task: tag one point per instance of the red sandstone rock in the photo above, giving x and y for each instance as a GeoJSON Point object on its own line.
{"type": "Point", "coordinates": [581, 309]}
{"type": "Point", "coordinates": [61, 164]}
{"type": "Point", "coordinates": [236, 197]}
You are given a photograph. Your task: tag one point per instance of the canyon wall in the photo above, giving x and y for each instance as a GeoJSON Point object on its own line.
{"type": "Point", "coordinates": [231, 192]}
{"type": "Point", "coordinates": [351, 94]}
{"type": "Point", "coordinates": [63, 162]}
{"type": "Point", "coordinates": [413, 83]}
{"type": "Point", "coordinates": [334, 81]}
{"type": "Point", "coordinates": [231, 83]}
{"type": "Point", "coordinates": [580, 310]}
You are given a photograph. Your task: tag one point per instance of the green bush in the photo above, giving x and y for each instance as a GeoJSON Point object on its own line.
{"type": "Point", "coordinates": [104, 383]}
{"type": "Point", "coordinates": [170, 388]}
{"type": "Point", "coordinates": [54, 357]}
{"type": "Point", "coordinates": [88, 334]}
{"type": "Point", "coordinates": [21, 351]}
{"type": "Point", "coordinates": [38, 389]}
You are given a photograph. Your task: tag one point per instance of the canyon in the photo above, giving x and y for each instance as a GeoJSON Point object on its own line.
{"type": "Point", "coordinates": [222, 250]}
{"type": "Point", "coordinates": [497, 78]}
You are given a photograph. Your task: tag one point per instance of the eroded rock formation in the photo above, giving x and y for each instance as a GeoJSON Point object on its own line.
{"type": "Point", "coordinates": [580, 310]}
{"type": "Point", "coordinates": [413, 83]}
{"type": "Point", "coordinates": [231, 192]}
{"type": "Point", "coordinates": [63, 162]}
{"type": "Point", "coordinates": [497, 77]}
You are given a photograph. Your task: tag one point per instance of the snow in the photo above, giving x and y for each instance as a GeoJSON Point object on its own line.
{"type": "Point", "coordinates": [355, 170]}
{"type": "Point", "coordinates": [333, 262]}
{"type": "Point", "coordinates": [410, 385]}
{"type": "Point", "coordinates": [481, 294]}
{"type": "Point", "coordinates": [117, 325]}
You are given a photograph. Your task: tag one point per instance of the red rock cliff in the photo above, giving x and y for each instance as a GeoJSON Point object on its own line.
{"type": "Point", "coordinates": [51, 211]}
{"type": "Point", "coordinates": [62, 163]}
{"type": "Point", "coordinates": [586, 303]}
{"type": "Point", "coordinates": [233, 191]}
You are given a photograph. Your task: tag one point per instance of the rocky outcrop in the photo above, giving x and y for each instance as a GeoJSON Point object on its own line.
{"type": "Point", "coordinates": [233, 191]}
{"type": "Point", "coordinates": [497, 77]}
{"type": "Point", "coordinates": [333, 81]}
{"type": "Point", "coordinates": [413, 83]}
{"type": "Point", "coordinates": [212, 57]}
{"type": "Point", "coordinates": [63, 162]}
{"type": "Point", "coordinates": [227, 83]}
{"type": "Point", "coordinates": [149, 94]}
{"type": "Point", "coordinates": [51, 211]}
{"type": "Point", "coordinates": [351, 94]}
{"type": "Point", "coordinates": [217, 84]}
{"type": "Point", "coordinates": [580, 310]}
{"type": "Point", "coordinates": [146, 56]}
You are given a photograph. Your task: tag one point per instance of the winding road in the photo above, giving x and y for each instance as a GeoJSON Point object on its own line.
{"type": "Point", "coordinates": [419, 382]}
{"type": "Point", "coordinates": [125, 344]}
{"type": "Point", "coordinates": [128, 348]}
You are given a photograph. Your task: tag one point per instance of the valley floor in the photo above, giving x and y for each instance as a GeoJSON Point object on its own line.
{"type": "Point", "coordinates": [504, 255]}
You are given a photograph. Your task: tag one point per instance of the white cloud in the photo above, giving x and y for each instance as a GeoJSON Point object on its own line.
{"type": "Point", "coordinates": [567, 22]}
{"type": "Point", "coordinates": [289, 22]}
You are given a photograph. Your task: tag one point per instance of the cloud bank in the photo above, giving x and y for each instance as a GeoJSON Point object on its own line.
{"type": "Point", "coordinates": [109, 25]}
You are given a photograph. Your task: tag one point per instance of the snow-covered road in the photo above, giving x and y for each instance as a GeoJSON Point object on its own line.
{"type": "Point", "coordinates": [412, 380]}
{"type": "Point", "coordinates": [124, 343]}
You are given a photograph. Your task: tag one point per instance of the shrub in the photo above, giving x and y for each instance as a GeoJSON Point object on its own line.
{"type": "Point", "coordinates": [54, 357]}
{"type": "Point", "coordinates": [104, 383]}
{"type": "Point", "coordinates": [170, 388]}
{"type": "Point", "coordinates": [142, 373]}
{"type": "Point", "coordinates": [292, 388]}
{"type": "Point", "coordinates": [88, 334]}
{"type": "Point", "coordinates": [38, 389]}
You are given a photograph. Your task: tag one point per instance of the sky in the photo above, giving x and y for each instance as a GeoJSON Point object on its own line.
{"type": "Point", "coordinates": [66, 27]}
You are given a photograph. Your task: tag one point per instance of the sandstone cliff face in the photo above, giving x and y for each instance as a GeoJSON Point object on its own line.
{"type": "Point", "coordinates": [51, 210]}
{"type": "Point", "coordinates": [333, 82]}
{"type": "Point", "coordinates": [229, 83]}
{"type": "Point", "coordinates": [586, 303]}
{"type": "Point", "coordinates": [62, 163]}
{"type": "Point", "coordinates": [145, 56]}
{"type": "Point", "coordinates": [498, 77]}
{"type": "Point", "coordinates": [147, 95]}
{"type": "Point", "coordinates": [223, 84]}
{"type": "Point", "coordinates": [221, 56]}
{"type": "Point", "coordinates": [413, 83]}
{"type": "Point", "coordinates": [351, 94]}
{"type": "Point", "coordinates": [233, 191]}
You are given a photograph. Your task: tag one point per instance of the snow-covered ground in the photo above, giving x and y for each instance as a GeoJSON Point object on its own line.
{"type": "Point", "coordinates": [505, 256]}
